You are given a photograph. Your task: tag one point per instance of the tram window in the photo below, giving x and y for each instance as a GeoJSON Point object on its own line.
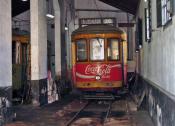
{"type": "Point", "coordinates": [81, 50]}
{"type": "Point", "coordinates": [97, 49]}
{"type": "Point", "coordinates": [113, 49]}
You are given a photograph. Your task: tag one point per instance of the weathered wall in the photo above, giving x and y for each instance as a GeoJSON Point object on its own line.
{"type": "Point", "coordinates": [5, 61]}
{"type": "Point", "coordinates": [155, 62]}
{"type": "Point", "coordinates": [159, 105]}
{"type": "Point", "coordinates": [5, 44]}
{"type": "Point", "coordinates": [158, 56]}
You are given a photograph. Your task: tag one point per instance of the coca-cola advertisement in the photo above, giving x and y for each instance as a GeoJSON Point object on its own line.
{"type": "Point", "coordinates": [100, 72]}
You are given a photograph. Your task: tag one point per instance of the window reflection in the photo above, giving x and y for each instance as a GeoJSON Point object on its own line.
{"type": "Point", "coordinates": [113, 49]}
{"type": "Point", "coordinates": [97, 49]}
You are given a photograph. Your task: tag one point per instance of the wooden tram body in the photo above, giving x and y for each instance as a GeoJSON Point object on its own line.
{"type": "Point", "coordinates": [99, 58]}
{"type": "Point", "coordinates": [20, 62]}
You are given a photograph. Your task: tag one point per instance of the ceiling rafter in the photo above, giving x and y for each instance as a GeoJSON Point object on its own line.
{"type": "Point", "coordinates": [129, 6]}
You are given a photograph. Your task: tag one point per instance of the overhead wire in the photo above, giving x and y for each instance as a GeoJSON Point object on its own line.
{"type": "Point", "coordinates": [97, 8]}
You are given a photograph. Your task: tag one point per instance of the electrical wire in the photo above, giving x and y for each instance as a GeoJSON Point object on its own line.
{"type": "Point", "coordinates": [97, 8]}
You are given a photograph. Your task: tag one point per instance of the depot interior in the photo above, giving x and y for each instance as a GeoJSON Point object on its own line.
{"type": "Point", "coordinates": [35, 46]}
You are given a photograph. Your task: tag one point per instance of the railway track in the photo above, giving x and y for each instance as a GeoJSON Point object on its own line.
{"type": "Point", "coordinates": [76, 115]}
{"type": "Point", "coordinates": [107, 113]}
{"type": "Point", "coordinates": [125, 120]}
{"type": "Point", "coordinates": [107, 116]}
{"type": "Point", "coordinates": [83, 108]}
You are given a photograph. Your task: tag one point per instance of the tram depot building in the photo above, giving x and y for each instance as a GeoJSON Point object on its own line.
{"type": "Point", "coordinates": [55, 53]}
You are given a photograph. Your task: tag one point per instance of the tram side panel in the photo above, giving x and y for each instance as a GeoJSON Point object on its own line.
{"type": "Point", "coordinates": [73, 63]}
{"type": "Point", "coordinates": [125, 62]}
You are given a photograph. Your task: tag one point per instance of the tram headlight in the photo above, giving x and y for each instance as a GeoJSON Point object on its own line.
{"type": "Point", "coordinates": [97, 77]}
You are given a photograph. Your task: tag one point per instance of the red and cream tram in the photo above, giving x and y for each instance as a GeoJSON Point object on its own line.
{"type": "Point", "coordinates": [99, 58]}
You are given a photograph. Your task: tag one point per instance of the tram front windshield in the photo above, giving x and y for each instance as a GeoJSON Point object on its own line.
{"type": "Point", "coordinates": [97, 49]}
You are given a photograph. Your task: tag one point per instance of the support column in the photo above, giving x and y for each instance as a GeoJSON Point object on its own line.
{"type": "Point", "coordinates": [57, 38]}
{"type": "Point", "coordinates": [5, 53]}
{"type": "Point", "coordinates": [38, 51]}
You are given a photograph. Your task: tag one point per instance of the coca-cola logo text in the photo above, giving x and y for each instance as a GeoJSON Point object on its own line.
{"type": "Point", "coordinates": [102, 69]}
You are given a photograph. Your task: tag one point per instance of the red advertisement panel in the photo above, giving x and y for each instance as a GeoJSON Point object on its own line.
{"type": "Point", "coordinates": [97, 71]}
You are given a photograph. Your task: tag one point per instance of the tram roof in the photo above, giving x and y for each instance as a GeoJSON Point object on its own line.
{"type": "Point", "coordinates": [97, 29]}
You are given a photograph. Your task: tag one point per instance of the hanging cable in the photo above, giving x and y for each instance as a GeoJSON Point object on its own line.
{"type": "Point", "coordinates": [97, 8]}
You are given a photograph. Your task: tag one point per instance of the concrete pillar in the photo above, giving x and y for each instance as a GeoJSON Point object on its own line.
{"type": "Point", "coordinates": [57, 38]}
{"type": "Point", "coordinates": [38, 51]}
{"type": "Point", "coordinates": [5, 55]}
{"type": "Point", "coordinates": [5, 44]}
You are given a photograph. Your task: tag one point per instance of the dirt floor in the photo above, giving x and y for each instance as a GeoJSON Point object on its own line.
{"type": "Point", "coordinates": [60, 112]}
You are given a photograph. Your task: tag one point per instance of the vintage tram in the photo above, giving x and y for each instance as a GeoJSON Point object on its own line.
{"type": "Point", "coordinates": [99, 59]}
{"type": "Point", "coordinates": [21, 57]}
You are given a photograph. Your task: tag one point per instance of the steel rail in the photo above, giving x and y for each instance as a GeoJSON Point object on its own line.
{"type": "Point", "coordinates": [76, 115]}
{"type": "Point", "coordinates": [107, 113]}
